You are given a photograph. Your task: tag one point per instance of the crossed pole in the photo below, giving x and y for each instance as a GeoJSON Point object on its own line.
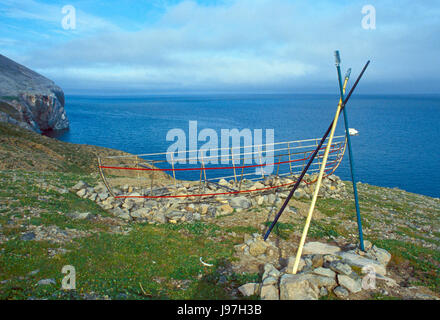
{"type": "Point", "coordinates": [350, 153]}
{"type": "Point", "coordinates": [331, 128]}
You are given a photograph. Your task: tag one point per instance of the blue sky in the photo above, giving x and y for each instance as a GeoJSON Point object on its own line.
{"type": "Point", "coordinates": [159, 46]}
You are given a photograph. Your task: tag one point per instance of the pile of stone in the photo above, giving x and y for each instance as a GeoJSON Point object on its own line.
{"type": "Point", "coordinates": [174, 210]}
{"type": "Point", "coordinates": [323, 268]}
{"type": "Point", "coordinates": [255, 246]}
{"type": "Point", "coordinates": [52, 234]}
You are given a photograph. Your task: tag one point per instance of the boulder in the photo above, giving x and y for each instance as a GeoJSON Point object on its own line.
{"type": "Point", "coordinates": [269, 292]}
{"type": "Point", "coordinates": [320, 248]}
{"type": "Point", "coordinates": [340, 292]}
{"type": "Point", "coordinates": [298, 287]}
{"type": "Point", "coordinates": [82, 193]}
{"type": "Point", "coordinates": [270, 272]}
{"type": "Point", "coordinates": [349, 283]}
{"type": "Point", "coordinates": [81, 215]}
{"type": "Point", "coordinates": [159, 217]}
{"type": "Point", "coordinates": [381, 255]}
{"type": "Point", "coordinates": [240, 202]}
{"type": "Point", "coordinates": [291, 263]}
{"type": "Point", "coordinates": [225, 209]}
{"type": "Point", "coordinates": [140, 213]}
{"type": "Point", "coordinates": [324, 272]}
{"type": "Point", "coordinates": [249, 289]}
{"type": "Point", "coordinates": [355, 260]}
{"type": "Point", "coordinates": [340, 267]}
{"type": "Point", "coordinates": [80, 185]}
{"type": "Point", "coordinates": [257, 248]}
{"type": "Point", "coordinates": [103, 195]}
{"type": "Point", "coordinates": [322, 281]}
{"type": "Point", "coordinates": [46, 282]}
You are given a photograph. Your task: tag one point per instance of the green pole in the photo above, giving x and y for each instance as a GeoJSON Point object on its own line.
{"type": "Point", "coordinates": [350, 153]}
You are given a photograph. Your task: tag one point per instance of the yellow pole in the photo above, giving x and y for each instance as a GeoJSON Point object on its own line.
{"type": "Point", "coordinates": [315, 194]}
{"type": "Point", "coordinates": [174, 174]}
{"type": "Point", "coordinates": [233, 165]}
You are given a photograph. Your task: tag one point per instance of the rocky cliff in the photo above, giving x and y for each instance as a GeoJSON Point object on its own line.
{"type": "Point", "coordinates": [30, 100]}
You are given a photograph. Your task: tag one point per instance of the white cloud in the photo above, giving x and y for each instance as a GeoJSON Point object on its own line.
{"type": "Point", "coordinates": [242, 43]}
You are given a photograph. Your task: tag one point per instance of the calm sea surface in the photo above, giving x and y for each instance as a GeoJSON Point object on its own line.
{"type": "Point", "coordinates": [397, 145]}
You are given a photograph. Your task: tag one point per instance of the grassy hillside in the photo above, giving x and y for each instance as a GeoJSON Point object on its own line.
{"type": "Point", "coordinates": [114, 259]}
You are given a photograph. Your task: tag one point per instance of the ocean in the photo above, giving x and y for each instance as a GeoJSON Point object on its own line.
{"type": "Point", "coordinates": [396, 146]}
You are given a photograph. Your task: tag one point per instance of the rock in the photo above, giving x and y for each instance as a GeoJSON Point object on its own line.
{"type": "Point", "coordinates": [137, 197]}
{"type": "Point", "coordinates": [329, 258]}
{"type": "Point", "coordinates": [125, 216]}
{"type": "Point", "coordinates": [299, 194]}
{"type": "Point", "coordinates": [270, 272]}
{"type": "Point", "coordinates": [204, 208]}
{"type": "Point", "coordinates": [389, 281]}
{"type": "Point", "coordinates": [174, 215]}
{"type": "Point", "coordinates": [81, 215]}
{"type": "Point", "coordinates": [93, 196]}
{"type": "Point", "coordinates": [367, 245]}
{"type": "Point", "coordinates": [271, 198]}
{"type": "Point", "coordinates": [140, 213]}
{"type": "Point", "coordinates": [269, 292]}
{"type": "Point", "coordinates": [223, 182]}
{"type": "Point", "coordinates": [33, 273]}
{"type": "Point", "coordinates": [340, 292]}
{"type": "Point", "coordinates": [28, 236]}
{"type": "Point", "coordinates": [291, 263]}
{"type": "Point", "coordinates": [103, 195]}
{"type": "Point", "coordinates": [240, 202]}
{"type": "Point", "coordinates": [46, 282]}
{"type": "Point", "coordinates": [297, 287]}
{"type": "Point", "coordinates": [226, 209]}
{"type": "Point", "coordinates": [325, 272]}
{"type": "Point", "coordinates": [270, 281]}
{"type": "Point", "coordinates": [340, 267]}
{"type": "Point", "coordinates": [257, 185]}
{"type": "Point", "coordinates": [320, 248]}
{"type": "Point", "coordinates": [249, 289]}
{"type": "Point", "coordinates": [349, 283]}
{"type": "Point", "coordinates": [159, 217]}
{"type": "Point", "coordinates": [128, 204]}
{"type": "Point", "coordinates": [80, 185]}
{"type": "Point", "coordinates": [317, 260]}
{"type": "Point", "coordinates": [382, 256]}
{"type": "Point", "coordinates": [355, 260]}
{"type": "Point", "coordinates": [30, 100]}
{"type": "Point", "coordinates": [323, 292]}
{"type": "Point", "coordinates": [424, 296]}
{"type": "Point", "coordinates": [321, 281]}
{"type": "Point", "coordinates": [257, 247]}
{"type": "Point", "coordinates": [82, 193]}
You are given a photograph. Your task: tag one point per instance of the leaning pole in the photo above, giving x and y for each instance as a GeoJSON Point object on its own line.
{"type": "Point", "coordinates": [318, 182]}
{"type": "Point", "coordinates": [312, 157]}
{"type": "Point", "coordinates": [350, 153]}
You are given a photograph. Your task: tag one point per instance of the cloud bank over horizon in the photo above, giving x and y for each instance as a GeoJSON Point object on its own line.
{"type": "Point", "coordinates": [224, 46]}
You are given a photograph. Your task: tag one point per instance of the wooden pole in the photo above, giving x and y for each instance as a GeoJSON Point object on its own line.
{"type": "Point", "coordinates": [318, 184]}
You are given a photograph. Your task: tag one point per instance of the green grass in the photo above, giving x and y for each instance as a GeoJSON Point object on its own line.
{"type": "Point", "coordinates": [426, 262]}
{"type": "Point", "coordinates": [115, 265]}
{"type": "Point", "coordinates": [281, 229]}
{"type": "Point", "coordinates": [321, 230]}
